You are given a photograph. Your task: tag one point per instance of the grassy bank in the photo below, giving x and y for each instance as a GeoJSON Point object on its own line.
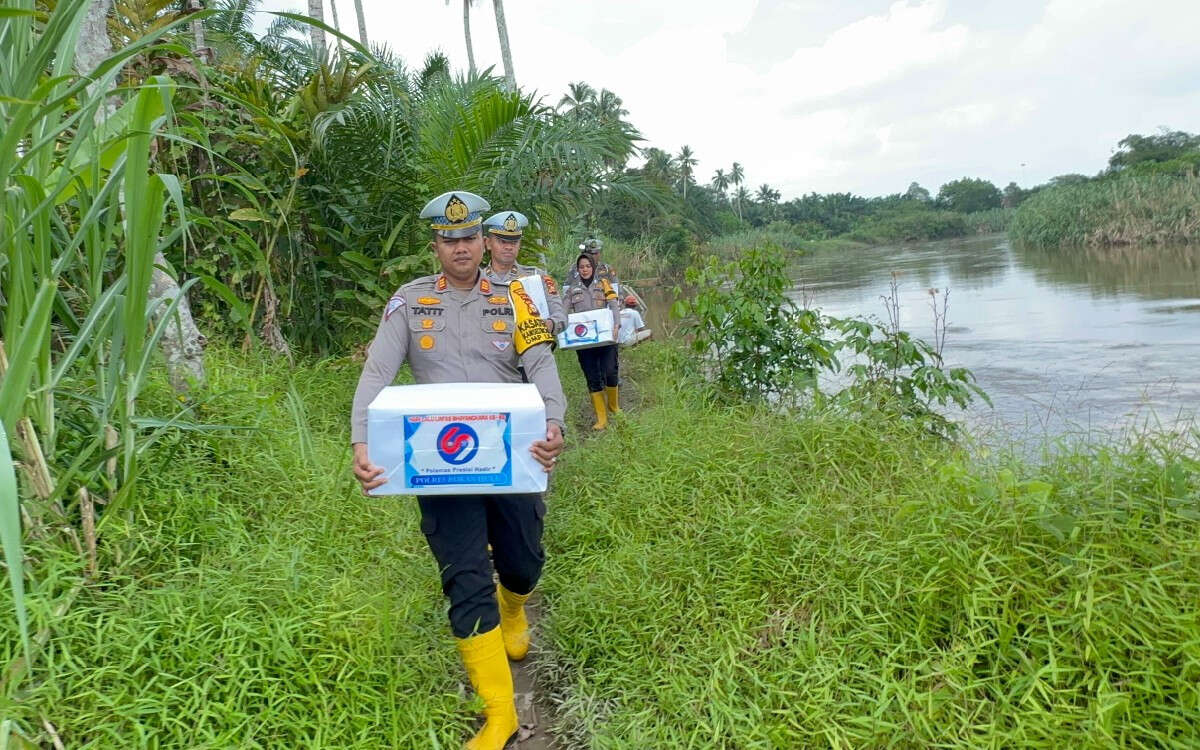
{"type": "Point", "coordinates": [255, 599]}
{"type": "Point", "coordinates": [1123, 210]}
{"type": "Point", "coordinates": [751, 580]}
{"type": "Point", "coordinates": [739, 579]}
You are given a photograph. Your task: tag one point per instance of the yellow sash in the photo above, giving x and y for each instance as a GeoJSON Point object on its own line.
{"type": "Point", "coordinates": [530, 329]}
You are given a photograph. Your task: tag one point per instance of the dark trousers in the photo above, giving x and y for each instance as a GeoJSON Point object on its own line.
{"type": "Point", "coordinates": [459, 528]}
{"type": "Point", "coordinates": [599, 365]}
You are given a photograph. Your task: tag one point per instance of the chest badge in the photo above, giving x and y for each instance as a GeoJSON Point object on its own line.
{"type": "Point", "coordinates": [501, 345]}
{"type": "Point", "coordinates": [499, 325]}
{"type": "Point", "coordinates": [498, 300]}
{"type": "Point", "coordinates": [427, 323]}
{"type": "Point", "coordinates": [428, 301]}
{"type": "Point", "coordinates": [427, 342]}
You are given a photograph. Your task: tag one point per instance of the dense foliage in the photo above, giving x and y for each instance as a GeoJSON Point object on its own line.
{"type": "Point", "coordinates": [755, 343]}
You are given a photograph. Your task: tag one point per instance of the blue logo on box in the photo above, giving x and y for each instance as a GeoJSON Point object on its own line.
{"type": "Point", "coordinates": [457, 443]}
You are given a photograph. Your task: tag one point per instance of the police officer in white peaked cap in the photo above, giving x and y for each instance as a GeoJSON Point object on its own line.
{"type": "Point", "coordinates": [452, 327]}
{"type": "Point", "coordinates": [502, 239]}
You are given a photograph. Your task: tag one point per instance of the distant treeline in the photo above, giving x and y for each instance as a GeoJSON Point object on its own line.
{"type": "Point", "coordinates": [1148, 192]}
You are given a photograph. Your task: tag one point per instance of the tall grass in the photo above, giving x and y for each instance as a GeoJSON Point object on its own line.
{"type": "Point", "coordinates": [1122, 210]}
{"type": "Point", "coordinates": [256, 599]}
{"type": "Point", "coordinates": [81, 218]}
{"type": "Point", "coordinates": [743, 579]}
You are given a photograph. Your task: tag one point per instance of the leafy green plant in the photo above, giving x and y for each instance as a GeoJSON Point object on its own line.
{"type": "Point", "coordinates": [757, 341]}
{"type": "Point", "coordinates": [83, 213]}
{"type": "Point", "coordinates": [894, 371]}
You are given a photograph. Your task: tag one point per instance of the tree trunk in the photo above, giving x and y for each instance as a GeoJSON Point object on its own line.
{"type": "Point", "coordinates": [92, 46]}
{"type": "Point", "coordinates": [362, 22]}
{"type": "Point", "coordinates": [337, 26]}
{"type": "Point", "coordinates": [467, 33]}
{"type": "Point", "coordinates": [505, 52]}
{"type": "Point", "coordinates": [182, 344]}
{"type": "Point", "coordinates": [316, 33]}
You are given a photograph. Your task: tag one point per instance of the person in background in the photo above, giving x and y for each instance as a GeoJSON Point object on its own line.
{"type": "Point", "coordinates": [451, 328]}
{"type": "Point", "coordinates": [633, 328]}
{"type": "Point", "coordinates": [502, 240]}
{"type": "Point", "coordinates": [599, 364]}
{"type": "Point", "coordinates": [595, 248]}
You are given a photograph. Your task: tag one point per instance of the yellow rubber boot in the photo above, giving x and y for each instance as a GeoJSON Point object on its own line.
{"type": "Point", "coordinates": [601, 411]}
{"type": "Point", "coordinates": [487, 666]}
{"type": "Point", "coordinates": [613, 405]}
{"type": "Point", "coordinates": [513, 624]}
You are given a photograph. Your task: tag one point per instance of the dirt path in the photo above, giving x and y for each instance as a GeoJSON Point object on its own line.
{"type": "Point", "coordinates": [532, 708]}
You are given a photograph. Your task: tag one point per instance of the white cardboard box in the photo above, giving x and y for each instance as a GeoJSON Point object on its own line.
{"type": "Point", "coordinates": [588, 329]}
{"type": "Point", "coordinates": [457, 438]}
{"type": "Point", "coordinates": [535, 287]}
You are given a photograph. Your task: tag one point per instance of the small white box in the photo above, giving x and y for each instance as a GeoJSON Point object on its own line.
{"type": "Point", "coordinates": [457, 438]}
{"type": "Point", "coordinates": [535, 287]}
{"type": "Point", "coordinates": [588, 329]}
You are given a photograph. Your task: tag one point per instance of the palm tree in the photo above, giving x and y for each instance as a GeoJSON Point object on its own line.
{"type": "Point", "coordinates": [578, 100]}
{"type": "Point", "coordinates": [660, 165]}
{"type": "Point", "coordinates": [609, 106]}
{"type": "Point", "coordinates": [742, 195]}
{"type": "Point", "coordinates": [316, 33]}
{"type": "Point", "coordinates": [686, 160]}
{"type": "Point", "coordinates": [768, 197]}
{"type": "Point", "coordinates": [337, 26]}
{"type": "Point", "coordinates": [736, 175]}
{"type": "Point", "coordinates": [720, 181]}
{"type": "Point", "coordinates": [362, 22]}
{"type": "Point", "coordinates": [505, 52]}
{"type": "Point", "coordinates": [466, 33]}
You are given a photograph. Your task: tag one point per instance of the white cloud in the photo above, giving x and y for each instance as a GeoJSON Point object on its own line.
{"type": "Point", "coordinates": [875, 95]}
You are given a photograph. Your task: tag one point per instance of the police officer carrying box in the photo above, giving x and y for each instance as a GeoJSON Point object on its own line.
{"type": "Point", "coordinates": [452, 327]}
{"type": "Point", "coordinates": [599, 364]}
{"type": "Point", "coordinates": [502, 240]}
{"type": "Point", "coordinates": [594, 247]}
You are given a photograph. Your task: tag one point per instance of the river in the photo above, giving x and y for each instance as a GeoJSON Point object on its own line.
{"type": "Point", "coordinates": [1068, 342]}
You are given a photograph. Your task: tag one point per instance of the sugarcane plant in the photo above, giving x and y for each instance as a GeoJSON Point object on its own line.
{"type": "Point", "coordinates": [82, 217]}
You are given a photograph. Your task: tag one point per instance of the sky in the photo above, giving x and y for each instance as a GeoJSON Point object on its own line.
{"type": "Point", "coordinates": [862, 96]}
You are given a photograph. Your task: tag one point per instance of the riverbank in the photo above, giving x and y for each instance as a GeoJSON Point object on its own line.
{"type": "Point", "coordinates": [1130, 209]}
{"type": "Point", "coordinates": [736, 579]}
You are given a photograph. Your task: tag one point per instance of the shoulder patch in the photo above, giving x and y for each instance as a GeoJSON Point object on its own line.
{"type": "Point", "coordinates": [394, 304]}
{"type": "Point", "coordinates": [441, 283]}
{"type": "Point", "coordinates": [428, 301]}
{"type": "Point", "coordinates": [485, 286]}
{"type": "Point", "coordinates": [551, 287]}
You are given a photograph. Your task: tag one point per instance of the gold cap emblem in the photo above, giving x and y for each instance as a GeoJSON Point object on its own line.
{"type": "Point", "coordinates": [456, 210]}
{"type": "Point", "coordinates": [510, 224]}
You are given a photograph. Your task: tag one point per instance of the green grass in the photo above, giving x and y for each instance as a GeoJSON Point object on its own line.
{"type": "Point", "coordinates": [255, 598]}
{"type": "Point", "coordinates": [739, 579]}
{"type": "Point", "coordinates": [742, 579]}
{"type": "Point", "coordinates": [1122, 210]}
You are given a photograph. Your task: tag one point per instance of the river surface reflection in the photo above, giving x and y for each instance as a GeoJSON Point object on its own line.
{"type": "Point", "coordinates": [1064, 341]}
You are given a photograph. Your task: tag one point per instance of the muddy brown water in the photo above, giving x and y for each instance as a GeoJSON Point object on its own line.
{"type": "Point", "coordinates": [1066, 342]}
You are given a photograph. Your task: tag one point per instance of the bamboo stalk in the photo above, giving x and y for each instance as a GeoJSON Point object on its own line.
{"type": "Point", "coordinates": [34, 461]}
{"type": "Point", "coordinates": [54, 738]}
{"type": "Point", "coordinates": [111, 440]}
{"type": "Point", "coordinates": [87, 512]}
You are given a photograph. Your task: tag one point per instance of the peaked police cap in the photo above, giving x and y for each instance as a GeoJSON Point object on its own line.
{"type": "Point", "coordinates": [506, 224]}
{"type": "Point", "coordinates": [455, 214]}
